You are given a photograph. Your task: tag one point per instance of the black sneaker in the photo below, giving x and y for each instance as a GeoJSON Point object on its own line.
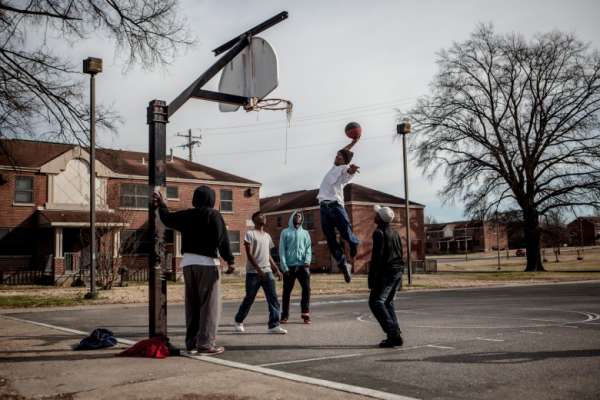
{"type": "Point", "coordinates": [346, 270]}
{"type": "Point", "coordinates": [387, 344]}
{"type": "Point", "coordinates": [397, 340]}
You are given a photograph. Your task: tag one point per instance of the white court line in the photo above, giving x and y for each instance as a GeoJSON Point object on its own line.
{"type": "Point", "coordinates": [311, 359]}
{"type": "Point", "coordinates": [569, 326]}
{"type": "Point", "coordinates": [62, 329]}
{"type": "Point", "coordinates": [489, 340]}
{"type": "Point", "coordinates": [376, 394]}
{"type": "Point", "coordinates": [435, 346]}
{"type": "Point", "coordinates": [532, 332]}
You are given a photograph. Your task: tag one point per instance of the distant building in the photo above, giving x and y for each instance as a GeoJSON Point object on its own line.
{"type": "Point", "coordinates": [584, 231]}
{"type": "Point", "coordinates": [359, 202]}
{"type": "Point", "coordinates": [461, 236]}
{"type": "Point", "coordinates": [44, 207]}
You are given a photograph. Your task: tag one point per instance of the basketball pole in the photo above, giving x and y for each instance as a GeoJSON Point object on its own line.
{"type": "Point", "coordinates": [158, 114]}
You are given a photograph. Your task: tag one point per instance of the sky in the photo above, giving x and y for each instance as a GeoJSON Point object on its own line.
{"type": "Point", "coordinates": [339, 61]}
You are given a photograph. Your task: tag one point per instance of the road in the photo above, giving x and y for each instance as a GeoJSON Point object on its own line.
{"type": "Point", "coordinates": [535, 342]}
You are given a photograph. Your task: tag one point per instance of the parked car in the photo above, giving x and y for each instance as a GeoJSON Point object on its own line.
{"type": "Point", "coordinates": [521, 253]}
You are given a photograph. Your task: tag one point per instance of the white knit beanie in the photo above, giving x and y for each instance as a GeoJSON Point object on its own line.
{"type": "Point", "coordinates": [385, 213]}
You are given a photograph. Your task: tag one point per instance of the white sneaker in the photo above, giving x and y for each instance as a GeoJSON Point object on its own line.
{"type": "Point", "coordinates": [239, 327]}
{"type": "Point", "coordinates": [278, 329]}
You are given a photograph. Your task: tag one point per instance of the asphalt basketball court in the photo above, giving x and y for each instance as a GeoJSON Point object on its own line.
{"type": "Point", "coordinates": [537, 342]}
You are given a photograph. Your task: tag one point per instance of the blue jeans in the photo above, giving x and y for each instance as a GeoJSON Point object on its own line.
{"type": "Point", "coordinates": [381, 300]}
{"type": "Point", "coordinates": [253, 283]}
{"type": "Point", "coordinates": [335, 216]}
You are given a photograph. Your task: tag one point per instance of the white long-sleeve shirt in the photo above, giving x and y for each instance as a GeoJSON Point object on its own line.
{"type": "Point", "coordinates": [332, 187]}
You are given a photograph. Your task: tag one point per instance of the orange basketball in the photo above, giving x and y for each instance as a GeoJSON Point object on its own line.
{"type": "Point", "coordinates": [353, 130]}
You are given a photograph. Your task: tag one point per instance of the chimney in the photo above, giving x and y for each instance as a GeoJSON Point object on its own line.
{"type": "Point", "coordinates": [171, 154]}
{"type": "Point", "coordinates": [143, 160]}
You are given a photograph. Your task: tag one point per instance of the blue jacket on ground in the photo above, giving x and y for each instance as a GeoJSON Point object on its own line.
{"type": "Point", "coordinates": [295, 247]}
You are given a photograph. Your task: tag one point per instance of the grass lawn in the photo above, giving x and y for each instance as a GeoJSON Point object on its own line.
{"type": "Point", "coordinates": [232, 287]}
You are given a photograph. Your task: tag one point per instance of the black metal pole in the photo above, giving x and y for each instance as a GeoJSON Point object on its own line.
{"type": "Point", "coordinates": [157, 181]}
{"type": "Point", "coordinates": [92, 186]}
{"type": "Point", "coordinates": [407, 210]}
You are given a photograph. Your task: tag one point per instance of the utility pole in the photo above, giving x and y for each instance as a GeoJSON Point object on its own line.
{"type": "Point", "coordinates": [404, 129]}
{"type": "Point", "coordinates": [92, 66]}
{"type": "Point", "coordinates": [191, 142]}
{"type": "Point", "coordinates": [498, 239]}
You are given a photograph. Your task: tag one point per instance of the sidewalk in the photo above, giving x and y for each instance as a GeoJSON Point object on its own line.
{"type": "Point", "coordinates": [38, 362]}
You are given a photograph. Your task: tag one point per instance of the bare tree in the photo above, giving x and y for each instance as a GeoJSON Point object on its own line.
{"type": "Point", "coordinates": [43, 92]}
{"type": "Point", "coordinates": [513, 123]}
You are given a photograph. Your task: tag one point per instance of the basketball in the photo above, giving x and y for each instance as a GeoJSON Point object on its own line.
{"type": "Point", "coordinates": [353, 130]}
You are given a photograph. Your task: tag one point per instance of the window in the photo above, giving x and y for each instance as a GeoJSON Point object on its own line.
{"type": "Point", "coordinates": [226, 200]}
{"type": "Point", "coordinates": [309, 221]}
{"type": "Point", "coordinates": [135, 242]}
{"type": "Point", "coordinates": [134, 195]}
{"type": "Point", "coordinates": [3, 232]}
{"type": "Point", "coordinates": [172, 192]}
{"type": "Point", "coordinates": [234, 241]}
{"type": "Point", "coordinates": [24, 189]}
{"type": "Point", "coordinates": [279, 221]}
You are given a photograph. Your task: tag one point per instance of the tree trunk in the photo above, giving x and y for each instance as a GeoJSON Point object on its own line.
{"type": "Point", "coordinates": [532, 239]}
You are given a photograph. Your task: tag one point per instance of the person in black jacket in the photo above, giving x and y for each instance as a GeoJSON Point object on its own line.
{"type": "Point", "coordinates": [385, 275]}
{"type": "Point", "coordinates": [203, 239]}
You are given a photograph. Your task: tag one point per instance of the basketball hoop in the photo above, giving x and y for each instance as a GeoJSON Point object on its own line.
{"type": "Point", "coordinates": [271, 105]}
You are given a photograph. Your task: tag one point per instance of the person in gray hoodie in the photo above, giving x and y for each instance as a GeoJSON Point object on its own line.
{"type": "Point", "coordinates": [295, 253]}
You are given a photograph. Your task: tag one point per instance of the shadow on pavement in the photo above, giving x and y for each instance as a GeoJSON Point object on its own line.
{"type": "Point", "coordinates": [502, 357]}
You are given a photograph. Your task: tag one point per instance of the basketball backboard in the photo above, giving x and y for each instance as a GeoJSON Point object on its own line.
{"type": "Point", "coordinates": [252, 73]}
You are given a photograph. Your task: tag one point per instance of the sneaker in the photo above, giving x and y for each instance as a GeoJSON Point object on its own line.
{"type": "Point", "coordinates": [283, 321]}
{"type": "Point", "coordinates": [398, 341]}
{"type": "Point", "coordinates": [278, 330]}
{"type": "Point", "coordinates": [346, 270]}
{"type": "Point", "coordinates": [239, 327]}
{"type": "Point", "coordinates": [211, 351]}
{"type": "Point", "coordinates": [306, 318]}
{"type": "Point", "coordinates": [387, 344]}
{"type": "Point", "coordinates": [193, 352]}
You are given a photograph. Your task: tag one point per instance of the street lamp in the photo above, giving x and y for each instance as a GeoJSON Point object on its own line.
{"type": "Point", "coordinates": [404, 128]}
{"type": "Point", "coordinates": [92, 66]}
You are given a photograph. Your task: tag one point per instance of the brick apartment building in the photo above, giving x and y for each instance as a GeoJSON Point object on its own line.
{"type": "Point", "coordinates": [461, 236]}
{"type": "Point", "coordinates": [359, 202]}
{"type": "Point", "coordinates": [584, 231]}
{"type": "Point", "coordinates": [44, 203]}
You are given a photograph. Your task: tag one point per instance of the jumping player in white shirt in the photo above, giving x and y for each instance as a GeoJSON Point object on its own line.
{"type": "Point", "coordinates": [333, 213]}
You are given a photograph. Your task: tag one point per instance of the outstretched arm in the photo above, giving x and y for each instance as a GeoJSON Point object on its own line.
{"type": "Point", "coordinates": [351, 144]}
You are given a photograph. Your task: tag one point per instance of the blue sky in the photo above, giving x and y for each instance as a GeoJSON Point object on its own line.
{"type": "Point", "coordinates": [339, 61]}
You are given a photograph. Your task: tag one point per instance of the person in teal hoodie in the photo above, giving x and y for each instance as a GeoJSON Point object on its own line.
{"type": "Point", "coordinates": [295, 253]}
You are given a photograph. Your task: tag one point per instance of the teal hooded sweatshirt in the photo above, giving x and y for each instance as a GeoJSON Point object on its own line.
{"type": "Point", "coordinates": [295, 247]}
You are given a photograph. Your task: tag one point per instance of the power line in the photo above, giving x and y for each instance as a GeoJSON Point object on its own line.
{"type": "Point", "coordinates": [324, 115]}
{"type": "Point", "coordinates": [283, 124]}
{"type": "Point", "coordinates": [291, 147]}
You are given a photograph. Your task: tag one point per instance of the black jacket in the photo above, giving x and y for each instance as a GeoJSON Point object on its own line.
{"type": "Point", "coordinates": [387, 252]}
{"type": "Point", "coordinates": [202, 228]}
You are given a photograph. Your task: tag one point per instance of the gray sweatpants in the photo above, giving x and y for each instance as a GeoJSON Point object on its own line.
{"type": "Point", "coordinates": [202, 305]}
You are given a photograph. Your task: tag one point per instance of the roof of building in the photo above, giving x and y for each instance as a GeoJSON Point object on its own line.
{"type": "Point", "coordinates": [79, 218]}
{"type": "Point", "coordinates": [592, 219]}
{"type": "Point", "coordinates": [308, 198]}
{"type": "Point", "coordinates": [34, 154]}
{"type": "Point", "coordinates": [456, 225]}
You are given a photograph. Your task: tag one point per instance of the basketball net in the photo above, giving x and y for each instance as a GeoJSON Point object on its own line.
{"type": "Point", "coordinates": [274, 105]}
{"type": "Point", "coordinates": [271, 105]}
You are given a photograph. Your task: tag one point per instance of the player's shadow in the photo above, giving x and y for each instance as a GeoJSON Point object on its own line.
{"type": "Point", "coordinates": [502, 357]}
